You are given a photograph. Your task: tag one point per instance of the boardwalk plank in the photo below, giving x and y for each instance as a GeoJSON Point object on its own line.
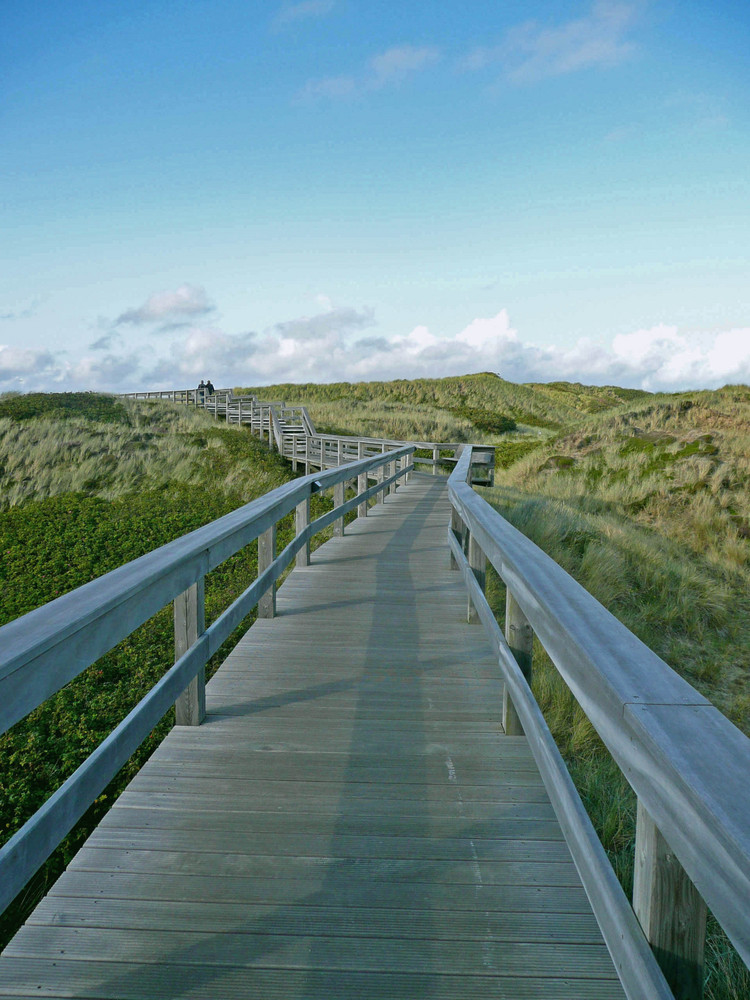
{"type": "Point", "coordinates": [319, 921]}
{"type": "Point", "coordinates": [52, 978]}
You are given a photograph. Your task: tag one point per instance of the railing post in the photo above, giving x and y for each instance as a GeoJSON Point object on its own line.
{"type": "Point", "coordinates": [338, 499]}
{"type": "Point", "coordinates": [435, 459]}
{"type": "Point", "coordinates": [189, 623]}
{"type": "Point", "coordinates": [670, 910]}
{"type": "Point", "coordinates": [478, 562]}
{"type": "Point", "coordinates": [520, 637]}
{"type": "Point", "coordinates": [340, 454]}
{"type": "Point", "coordinates": [362, 482]}
{"type": "Point", "coordinates": [266, 555]}
{"type": "Point", "coordinates": [302, 520]}
{"type": "Point", "coordinates": [457, 527]}
{"type": "Point", "coordinates": [239, 413]}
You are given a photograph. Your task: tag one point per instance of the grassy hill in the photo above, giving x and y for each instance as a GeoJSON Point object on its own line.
{"type": "Point", "coordinates": [445, 409]}
{"type": "Point", "coordinates": [586, 398]}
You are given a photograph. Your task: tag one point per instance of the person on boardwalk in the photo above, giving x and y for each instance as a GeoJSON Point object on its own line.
{"type": "Point", "coordinates": [201, 391]}
{"type": "Point", "coordinates": [209, 387]}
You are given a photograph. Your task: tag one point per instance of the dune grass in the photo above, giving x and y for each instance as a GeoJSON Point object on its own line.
{"type": "Point", "coordinates": [149, 446]}
{"type": "Point", "coordinates": [476, 408]}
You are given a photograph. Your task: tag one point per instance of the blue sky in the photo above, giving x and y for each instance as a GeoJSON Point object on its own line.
{"type": "Point", "coordinates": [340, 189]}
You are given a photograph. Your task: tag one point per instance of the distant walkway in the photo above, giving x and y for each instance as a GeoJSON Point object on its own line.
{"type": "Point", "coordinates": [349, 822]}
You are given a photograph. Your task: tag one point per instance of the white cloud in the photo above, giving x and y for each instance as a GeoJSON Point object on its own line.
{"type": "Point", "coordinates": [531, 51]}
{"type": "Point", "coordinates": [105, 374]}
{"type": "Point", "coordinates": [185, 302]}
{"type": "Point", "coordinates": [387, 69]}
{"type": "Point", "coordinates": [333, 324]}
{"type": "Point", "coordinates": [304, 11]}
{"type": "Point", "coordinates": [21, 361]}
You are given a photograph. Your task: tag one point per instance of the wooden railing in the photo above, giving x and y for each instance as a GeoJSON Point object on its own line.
{"type": "Point", "coordinates": [291, 432]}
{"type": "Point", "coordinates": [45, 649]}
{"type": "Point", "coordinates": [688, 765]}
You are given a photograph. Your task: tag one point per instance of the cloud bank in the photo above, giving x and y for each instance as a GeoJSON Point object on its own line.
{"type": "Point", "coordinates": [344, 344]}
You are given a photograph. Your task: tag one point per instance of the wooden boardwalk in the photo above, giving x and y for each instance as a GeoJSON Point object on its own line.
{"type": "Point", "coordinates": [349, 822]}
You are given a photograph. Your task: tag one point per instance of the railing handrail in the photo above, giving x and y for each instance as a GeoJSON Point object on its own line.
{"type": "Point", "coordinates": [686, 762]}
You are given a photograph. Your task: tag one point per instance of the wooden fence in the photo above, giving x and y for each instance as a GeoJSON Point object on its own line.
{"type": "Point", "coordinates": [688, 765]}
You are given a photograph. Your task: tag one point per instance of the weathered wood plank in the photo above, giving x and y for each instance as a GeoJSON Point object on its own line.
{"type": "Point", "coordinates": [258, 950]}
{"type": "Point", "coordinates": [535, 870]}
{"type": "Point", "coordinates": [315, 920]}
{"type": "Point", "coordinates": [128, 981]}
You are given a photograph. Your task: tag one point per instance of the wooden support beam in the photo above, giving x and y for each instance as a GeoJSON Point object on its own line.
{"type": "Point", "coordinates": [520, 637]}
{"type": "Point", "coordinates": [457, 527]}
{"type": "Point", "coordinates": [362, 481]}
{"type": "Point", "coordinates": [302, 520]}
{"type": "Point", "coordinates": [670, 910]}
{"type": "Point", "coordinates": [338, 499]}
{"type": "Point", "coordinates": [392, 470]}
{"type": "Point", "coordinates": [189, 623]}
{"type": "Point", "coordinates": [266, 555]}
{"type": "Point", "coordinates": [478, 563]}
{"type": "Point", "coordinates": [435, 459]}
